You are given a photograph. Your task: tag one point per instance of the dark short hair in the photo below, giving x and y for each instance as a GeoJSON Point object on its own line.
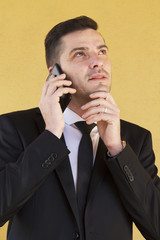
{"type": "Point", "coordinates": [53, 38]}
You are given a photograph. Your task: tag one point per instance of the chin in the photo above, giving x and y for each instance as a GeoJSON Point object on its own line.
{"type": "Point", "coordinates": [102, 88]}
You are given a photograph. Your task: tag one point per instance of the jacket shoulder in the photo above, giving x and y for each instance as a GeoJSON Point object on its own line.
{"type": "Point", "coordinates": [134, 134]}
{"type": "Point", "coordinates": [21, 113]}
{"type": "Point", "coordinates": [27, 123]}
{"type": "Point", "coordinates": [128, 126]}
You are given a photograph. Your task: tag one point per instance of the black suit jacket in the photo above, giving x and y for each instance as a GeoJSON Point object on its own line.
{"type": "Point", "coordinates": [37, 193]}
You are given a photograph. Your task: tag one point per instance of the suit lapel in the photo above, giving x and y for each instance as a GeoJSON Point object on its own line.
{"type": "Point", "coordinates": [65, 176]}
{"type": "Point", "coordinates": [99, 168]}
{"type": "Point", "coordinates": [64, 173]}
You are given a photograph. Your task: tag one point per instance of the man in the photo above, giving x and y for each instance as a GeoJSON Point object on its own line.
{"type": "Point", "coordinates": [40, 172]}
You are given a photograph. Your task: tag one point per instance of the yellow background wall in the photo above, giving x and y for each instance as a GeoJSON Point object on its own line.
{"type": "Point", "coordinates": [132, 32]}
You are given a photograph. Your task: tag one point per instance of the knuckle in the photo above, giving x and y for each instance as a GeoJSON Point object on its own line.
{"type": "Point", "coordinates": [45, 84]}
{"type": "Point", "coordinates": [101, 115]}
{"type": "Point", "coordinates": [118, 111]}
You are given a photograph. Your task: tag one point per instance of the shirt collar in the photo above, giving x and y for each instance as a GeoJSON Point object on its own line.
{"type": "Point", "coordinates": [71, 117]}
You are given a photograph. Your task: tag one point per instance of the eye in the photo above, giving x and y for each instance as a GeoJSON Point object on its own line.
{"type": "Point", "coordinates": [79, 54]}
{"type": "Point", "coordinates": [103, 52]}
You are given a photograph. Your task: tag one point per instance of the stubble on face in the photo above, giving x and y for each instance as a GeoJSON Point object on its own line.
{"type": "Point", "coordinates": [76, 74]}
{"type": "Point", "coordinates": [81, 97]}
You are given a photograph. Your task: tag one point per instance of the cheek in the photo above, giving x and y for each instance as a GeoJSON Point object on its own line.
{"type": "Point", "coordinates": [78, 81]}
{"type": "Point", "coordinates": [108, 63]}
{"type": "Point", "coordinates": [77, 74]}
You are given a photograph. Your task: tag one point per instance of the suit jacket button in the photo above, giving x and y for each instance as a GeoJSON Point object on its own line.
{"type": "Point", "coordinates": [129, 173]}
{"type": "Point", "coordinates": [76, 235]}
{"type": "Point", "coordinates": [53, 156]}
{"type": "Point", "coordinates": [46, 163]}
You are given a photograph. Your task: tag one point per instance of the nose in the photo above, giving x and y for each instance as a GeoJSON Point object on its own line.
{"type": "Point", "coordinates": [95, 61]}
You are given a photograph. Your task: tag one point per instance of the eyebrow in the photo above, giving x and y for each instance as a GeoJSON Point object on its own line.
{"type": "Point", "coordinates": [102, 46]}
{"type": "Point", "coordinates": [77, 49]}
{"type": "Point", "coordinates": [86, 48]}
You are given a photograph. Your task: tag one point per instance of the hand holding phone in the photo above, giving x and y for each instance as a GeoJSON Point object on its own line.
{"type": "Point", "coordinates": [65, 98]}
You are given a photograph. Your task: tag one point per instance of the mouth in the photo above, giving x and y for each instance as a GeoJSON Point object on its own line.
{"type": "Point", "coordinates": [98, 77]}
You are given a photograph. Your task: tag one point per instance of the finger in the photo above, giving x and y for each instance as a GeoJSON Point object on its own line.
{"type": "Point", "coordinates": [53, 86]}
{"type": "Point", "coordinates": [99, 117]}
{"type": "Point", "coordinates": [93, 103]}
{"type": "Point", "coordinates": [100, 102]}
{"type": "Point", "coordinates": [96, 110]}
{"type": "Point", "coordinates": [111, 99]}
{"type": "Point", "coordinates": [65, 90]}
{"type": "Point", "coordinates": [105, 95]}
{"type": "Point", "coordinates": [44, 89]}
{"type": "Point", "coordinates": [53, 77]}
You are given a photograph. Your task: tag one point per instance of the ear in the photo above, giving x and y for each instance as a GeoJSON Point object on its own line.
{"type": "Point", "coordinates": [50, 69]}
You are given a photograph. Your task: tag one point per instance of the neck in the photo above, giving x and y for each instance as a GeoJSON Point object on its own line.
{"type": "Point", "coordinates": [76, 109]}
{"type": "Point", "coordinates": [76, 104]}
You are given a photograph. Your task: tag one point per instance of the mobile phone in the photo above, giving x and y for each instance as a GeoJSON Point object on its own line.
{"type": "Point", "coordinates": [65, 98]}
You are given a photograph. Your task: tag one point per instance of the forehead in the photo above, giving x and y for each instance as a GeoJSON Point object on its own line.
{"type": "Point", "coordinates": [82, 38]}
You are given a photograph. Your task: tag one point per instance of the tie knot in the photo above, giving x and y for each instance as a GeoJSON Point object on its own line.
{"type": "Point", "coordinates": [84, 127]}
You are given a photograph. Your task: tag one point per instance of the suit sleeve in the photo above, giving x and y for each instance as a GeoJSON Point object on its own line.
{"type": "Point", "coordinates": [23, 170]}
{"type": "Point", "coordinates": [135, 175]}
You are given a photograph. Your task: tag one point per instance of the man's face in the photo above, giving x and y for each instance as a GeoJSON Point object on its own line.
{"type": "Point", "coordinates": [85, 61]}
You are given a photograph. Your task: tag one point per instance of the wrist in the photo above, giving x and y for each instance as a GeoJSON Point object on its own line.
{"type": "Point", "coordinates": [56, 131]}
{"type": "Point", "coordinates": [115, 150]}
